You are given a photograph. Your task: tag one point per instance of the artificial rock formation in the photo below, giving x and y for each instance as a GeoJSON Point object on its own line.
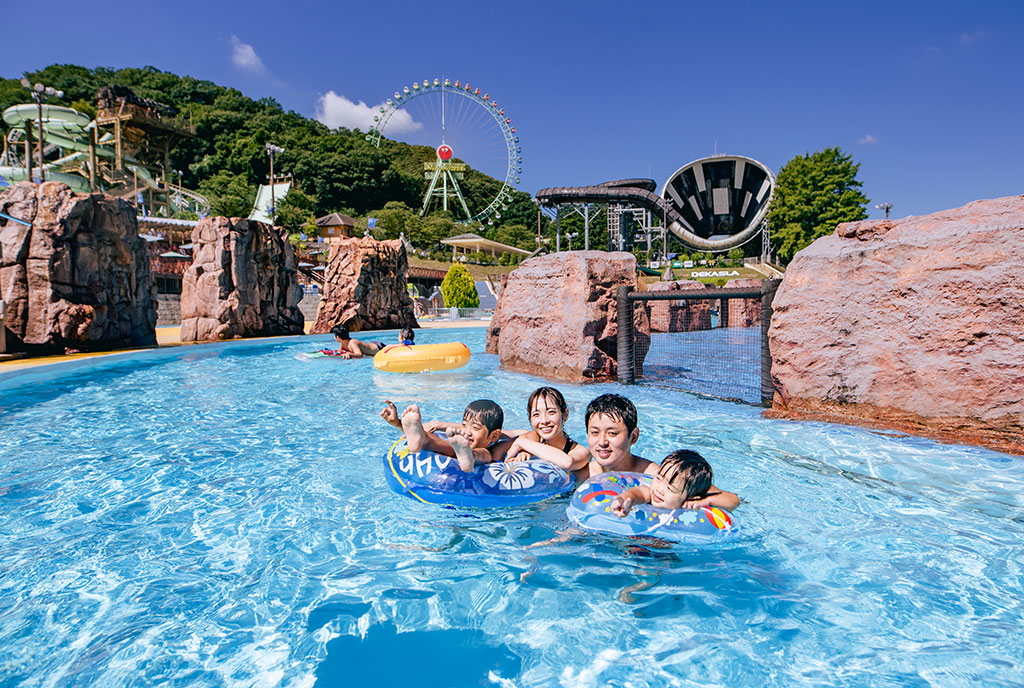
{"type": "Point", "coordinates": [679, 316]}
{"type": "Point", "coordinates": [78, 278]}
{"type": "Point", "coordinates": [744, 312]}
{"type": "Point", "coordinates": [242, 282]}
{"type": "Point", "coordinates": [915, 324]}
{"type": "Point", "coordinates": [365, 287]}
{"type": "Point", "coordinates": [556, 316]}
{"type": "Point", "coordinates": [687, 316]}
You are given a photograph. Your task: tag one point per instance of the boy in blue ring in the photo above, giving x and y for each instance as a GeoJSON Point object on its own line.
{"type": "Point", "coordinates": [477, 440]}
{"type": "Point", "coordinates": [407, 336]}
{"type": "Point", "coordinates": [611, 432]}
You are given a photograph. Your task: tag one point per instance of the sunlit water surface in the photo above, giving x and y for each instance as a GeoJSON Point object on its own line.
{"type": "Point", "coordinates": [217, 516]}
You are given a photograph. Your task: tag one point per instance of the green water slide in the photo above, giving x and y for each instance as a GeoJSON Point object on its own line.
{"type": "Point", "coordinates": [266, 197]}
{"type": "Point", "coordinates": [71, 130]}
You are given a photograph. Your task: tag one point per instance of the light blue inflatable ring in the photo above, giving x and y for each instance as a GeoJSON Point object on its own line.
{"type": "Point", "coordinates": [590, 508]}
{"type": "Point", "coordinates": [436, 479]}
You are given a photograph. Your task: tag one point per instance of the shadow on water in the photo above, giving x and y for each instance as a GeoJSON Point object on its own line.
{"type": "Point", "coordinates": [385, 657]}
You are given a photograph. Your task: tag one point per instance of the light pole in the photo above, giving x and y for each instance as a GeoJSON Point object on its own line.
{"type": "Point", "coordinates": [271, 151]}
{"type": "Point", "coordinates": [38, 91]}
{"type": "Point", "coordinates": [886, 207]}
{"type": "Point", "coordinates": [569, 237]}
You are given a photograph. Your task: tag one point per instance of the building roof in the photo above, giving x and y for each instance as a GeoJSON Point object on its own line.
{"type": "Point", "coordinates": [335, 219]}
{"type": "Point", "coordinates": [476, 242]}
{"type": "Point", "coordinates": [425, 273]}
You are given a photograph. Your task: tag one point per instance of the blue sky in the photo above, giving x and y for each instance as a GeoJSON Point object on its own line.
{"type": "Point", "coordinates": [927, 97]}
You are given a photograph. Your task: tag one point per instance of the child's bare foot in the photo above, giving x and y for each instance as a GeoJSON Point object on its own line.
{"type": "Point", "coordinates": [390, 415]}
{"type": "Point", "coordinates": [412, 425]}
{"type": "Point", "coordinates": [463, 452]}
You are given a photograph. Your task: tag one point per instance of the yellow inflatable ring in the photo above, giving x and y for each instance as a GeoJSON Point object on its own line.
{"type": "Point", "coordinates": [421, 358]}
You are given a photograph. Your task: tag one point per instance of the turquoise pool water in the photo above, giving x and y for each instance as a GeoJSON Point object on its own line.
{"type": "Point", "coordinates": [217, 516]}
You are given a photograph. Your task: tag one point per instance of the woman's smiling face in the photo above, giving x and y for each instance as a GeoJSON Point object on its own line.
{"type": "Point", "coordinates": [546, 418]}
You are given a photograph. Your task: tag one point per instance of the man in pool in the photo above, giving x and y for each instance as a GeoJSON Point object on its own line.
{"type": "Point", "coordinates": [611, 421]}
{"type": "Point", "coordinates": [353, 348]}
{"type": "Point", "coordinates": [477, 440]}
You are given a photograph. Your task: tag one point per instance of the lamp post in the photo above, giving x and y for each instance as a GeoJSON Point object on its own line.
{"type": "Point", "coordinates": [38, 91]}
{"type": "Point", "coordinates": [271, 151]}
{"type": "Point", "coordinates": [886, 207]}
{"type": "Point", "coordinates": [569, 237]}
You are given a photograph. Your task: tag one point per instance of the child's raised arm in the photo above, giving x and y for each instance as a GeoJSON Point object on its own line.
{"type": "Point", "coordinates": [390, 415]}
{"type": "Point", "coordinates": [623, 503]}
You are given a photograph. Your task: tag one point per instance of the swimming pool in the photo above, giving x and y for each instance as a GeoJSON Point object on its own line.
{"type": "Point", "coordinates": [217, 515]}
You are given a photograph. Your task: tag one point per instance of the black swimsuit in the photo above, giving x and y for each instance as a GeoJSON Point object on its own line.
{"type": "Point", "coordinates": [569, 444]}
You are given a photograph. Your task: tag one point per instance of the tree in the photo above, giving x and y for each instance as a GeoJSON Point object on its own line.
{"type": "Point", "coordinates": [813, 194]}
{"type": "Point", "coordinates": [229, 194]}
{"type": "Point", "coordinates": [458, 289]}
{"type": "Point", "coordinates": [294, 210]}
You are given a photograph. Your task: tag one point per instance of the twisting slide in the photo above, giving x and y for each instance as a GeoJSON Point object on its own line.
{"type": "Point", "coordinates": [70, 130]}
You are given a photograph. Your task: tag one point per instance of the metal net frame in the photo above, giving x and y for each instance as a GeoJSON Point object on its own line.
{"type": "Point", "coordinates": [711, 342]}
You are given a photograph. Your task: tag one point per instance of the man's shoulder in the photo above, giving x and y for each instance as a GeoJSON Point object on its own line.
{"type": "Point", "coordinates": [642, 465]}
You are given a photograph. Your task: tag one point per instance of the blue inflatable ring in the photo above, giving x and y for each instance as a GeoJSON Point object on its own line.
{"type": "Point", "coordinates": [590, 508]}
{"type": "Point", "coordinates": [436, 479]}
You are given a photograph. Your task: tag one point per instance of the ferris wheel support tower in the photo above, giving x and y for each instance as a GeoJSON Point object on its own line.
{"type": "Point", "coordinates": [445, 171]}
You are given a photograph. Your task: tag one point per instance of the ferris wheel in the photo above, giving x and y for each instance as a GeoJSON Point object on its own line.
{"type": "Point", "coordinates": [466, 128]}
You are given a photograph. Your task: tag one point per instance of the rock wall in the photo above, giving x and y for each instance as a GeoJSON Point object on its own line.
{"type": "Point", "coordinates": [679, 316]}
{"type": "Point", "coordinates": [915, 324]}
{"type": "Point", "coordinates": [744, 312]}
{"type": "Point", "coordinates": [365, 287]}
{"type": "Point", "coordinates": [78, 278]}
{"type": "Point", "coordinates": [242, 282]}
{"type": "Point", "coordinates": [687, 316]}
{"type": "Point", "coordinates": [556, 316]}
{"type": "Point", "coordinates": [168, 310]}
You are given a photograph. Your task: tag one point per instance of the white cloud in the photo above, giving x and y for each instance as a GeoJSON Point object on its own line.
{"type": "Point", "coordinates": [244, 56]}
{"type": "Point", "coordinates": [971, 38]}
{"type": "Point", "coordinates": [868, 139]}
{"type": "Point", "coordinates": [338, 111]}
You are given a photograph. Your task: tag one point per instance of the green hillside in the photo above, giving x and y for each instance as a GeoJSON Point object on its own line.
{"type": "Point", "coordinates": [336, 169]}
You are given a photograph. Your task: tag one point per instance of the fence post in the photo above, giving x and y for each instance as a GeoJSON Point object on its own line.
{"type": "Point", "coordinates": [624, 344]}
{"type": "Point", "coordinates": [768, 289]}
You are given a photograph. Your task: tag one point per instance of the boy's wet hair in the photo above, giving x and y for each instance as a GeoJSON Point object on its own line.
{"type": "Point", "coordinates": [340, 331]}
{"type": "Point", "coordinates": [407, 333]}
{"type": "Point", "coordinates": [487, 412]}
{"type": "Point", "coordinates": [550, 395]}
{"type": "Point", "coordinates": [614, 406]}
{"type": "Point", "coordinates": [688, 471]}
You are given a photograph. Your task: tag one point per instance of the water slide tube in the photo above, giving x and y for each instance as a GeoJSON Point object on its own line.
{"type": "Point", "coordinates": [688, 189]}
{"type": "Point", "coordinates": [63, 127]}
{"type": "Point", "coordinates": [264, 199]}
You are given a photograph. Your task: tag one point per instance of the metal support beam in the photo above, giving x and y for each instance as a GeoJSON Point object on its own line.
{"type": "Point", "coordinates": [624, 335]}
{"type": "Point", "coordinates": [768, 289]}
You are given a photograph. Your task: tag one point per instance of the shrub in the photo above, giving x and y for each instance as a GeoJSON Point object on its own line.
{"type": "Point", "coordinates": [458, 289]}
